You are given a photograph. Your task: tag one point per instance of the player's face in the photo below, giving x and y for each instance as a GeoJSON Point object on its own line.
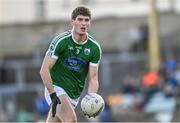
{"type": "Point", "coordinates": [81, 24]}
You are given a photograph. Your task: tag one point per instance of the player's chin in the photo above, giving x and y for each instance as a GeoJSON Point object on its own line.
{"type": "Point", "coordinates": [82, 33]}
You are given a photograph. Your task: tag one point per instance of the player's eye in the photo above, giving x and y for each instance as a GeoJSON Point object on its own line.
{"type": "Point", "coordinates": [87, 20]}
{"type": "Point", "coordinates": [80, 19]}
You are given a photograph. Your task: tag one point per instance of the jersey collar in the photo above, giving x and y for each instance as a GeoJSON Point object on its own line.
{"type": "Point", "coordinates": [77, 42]}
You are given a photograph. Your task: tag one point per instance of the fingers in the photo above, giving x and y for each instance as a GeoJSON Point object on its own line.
{"type": "Point", "coordinates": [55, 102]}
{"type": "Point", "coordinates": [59, 102]}
{"type": "Point", "coordinates": [54, 105]}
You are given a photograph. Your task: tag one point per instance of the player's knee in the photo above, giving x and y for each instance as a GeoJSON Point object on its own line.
{"type": "Point", "coordinates": [75, 119]}
{"type": "Point", "coordinates": [71, 118]}
{"type": "Point", "coordinates": [68, 117]}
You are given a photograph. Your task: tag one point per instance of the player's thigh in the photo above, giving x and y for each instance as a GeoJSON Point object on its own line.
{"type": "Point", "coordinates": [65, 110]}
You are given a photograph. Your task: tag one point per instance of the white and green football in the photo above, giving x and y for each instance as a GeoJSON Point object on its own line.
{"type": "Point", "coordinates": [92, 104]}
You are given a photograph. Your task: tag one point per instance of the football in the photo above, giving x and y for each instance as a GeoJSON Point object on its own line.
{"type": "Point", "coordinates": [92, 104]}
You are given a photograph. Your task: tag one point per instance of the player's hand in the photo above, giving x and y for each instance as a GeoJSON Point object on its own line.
{"type": "Point", "coordinates": [86, 115]}
{"type": "Point", "coordinates": [55, 100]}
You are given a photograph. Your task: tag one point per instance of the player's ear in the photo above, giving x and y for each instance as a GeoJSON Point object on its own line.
{"type": "Point", "coordinates": [90, 23]}
{"type": "Point", "coordinates": [72, 22]}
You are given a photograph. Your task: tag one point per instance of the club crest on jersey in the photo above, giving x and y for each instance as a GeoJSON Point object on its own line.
{"type": "Point", "coordinates": [86, 51]}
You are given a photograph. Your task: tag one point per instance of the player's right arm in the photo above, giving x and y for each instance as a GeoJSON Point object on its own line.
{"type": "Point", "coordinates": [47, 64]}
{"type": "Point", "coordinates": [49, 61]}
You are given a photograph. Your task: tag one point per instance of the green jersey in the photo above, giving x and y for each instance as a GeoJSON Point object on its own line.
{"type": "Point", "coordinates": [73, 60]}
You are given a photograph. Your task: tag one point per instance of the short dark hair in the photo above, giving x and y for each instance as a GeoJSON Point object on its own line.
{"type": "Point", "coordinates": [81, 10]}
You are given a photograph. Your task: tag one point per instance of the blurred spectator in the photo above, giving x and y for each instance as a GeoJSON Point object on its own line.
{"type": "Point", "coordinates": [3, 115]}
{"type": "Point", "coordinates": [177, 75]}
{"type": "Point", "coordinates": [3, 72]}
{"type": "Point", "coordinates": [171, 80]}
{"type": "Point", "coordinates": [24, 115]}
{"type": "Point", "coordinates": [163, 104]}
{"type": "Point", "coordinates": [106, 115]}
{"type": "Point", "coordinates": [132, 99]}
{"type": "Point", "coordinates": [170, 74]}
{"type": "Point", "coordinates": [134, 38]}
{"type": "Point", "coordinates": [144, 35]}
{"type": "Point", "coordinates": [170, 63]}
{"type": "Point", "coordinates": [150, 81]}
{"type": "Point", "coordinates": [150, 78]}
{"type": "Point", "coordinates": [41, 106]}
{"type": "Point", "coordinates": [11, 110]}
{"type": "Point", "coordinates": [139, 37]}
{"type": "Point", "coordinates": [130, 86]}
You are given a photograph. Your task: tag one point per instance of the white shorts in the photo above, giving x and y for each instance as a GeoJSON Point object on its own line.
{"type": "Point", "coordinates": [59, 91]}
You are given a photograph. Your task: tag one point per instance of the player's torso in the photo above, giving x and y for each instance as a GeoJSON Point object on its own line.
{"type": "Point", "coordinates": [76, 57]}
{"type": "Point", "coordinates": [71, 67]}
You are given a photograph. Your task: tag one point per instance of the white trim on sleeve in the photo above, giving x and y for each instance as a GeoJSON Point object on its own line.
{"type": "Point", "coordinates": [94, 64]}
{"type": "Point", "coordinates": [52, 56]}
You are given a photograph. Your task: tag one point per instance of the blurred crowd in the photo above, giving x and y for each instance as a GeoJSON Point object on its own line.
{"type": "Point", "coordinates": [154, 93]}
{"type": "Point", "coordinates": [25, 110]}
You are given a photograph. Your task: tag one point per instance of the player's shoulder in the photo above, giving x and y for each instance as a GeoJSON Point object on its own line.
{"type": "Point", "coordinates": [64, 34]}
{"type": "Point", "coordinates": [90, 37]}
{"type": "Point", "coordinates": [93, 40]}
{"type": "Point", "coordinates": [61, 36]}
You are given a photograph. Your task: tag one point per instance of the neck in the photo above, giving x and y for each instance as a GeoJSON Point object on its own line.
{"type": "Point", "coordinates": [80, 38]}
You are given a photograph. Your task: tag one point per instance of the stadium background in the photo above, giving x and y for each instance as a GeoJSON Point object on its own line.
{"type": "Point", "coordinates": [120, 26]}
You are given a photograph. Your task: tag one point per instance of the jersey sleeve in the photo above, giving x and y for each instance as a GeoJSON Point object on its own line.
{"type": "Point", "coordinates": [96, 56]}
{"type": "Point", "coordinates": [55, 48]}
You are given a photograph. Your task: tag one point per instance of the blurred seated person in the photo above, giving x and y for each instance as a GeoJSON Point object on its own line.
{"type": "Point", "coordinates": [170, 63]}
{"type": "Point", "coordinates": [106, 115]}
{"type": "Point", "coordinates": [150, 84]}
{"type": "Point", "coordinates": [163, 104]}
{"type": "Point", "coordinates": [41, 105]}
{"type": "Point", "coordinates": [130, 85]}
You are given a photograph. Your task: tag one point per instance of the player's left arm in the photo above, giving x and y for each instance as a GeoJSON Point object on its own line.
{"type": "Point", "coordinates": [93, 79]}
{"type": "Point", "coordinates": [93, 85]}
